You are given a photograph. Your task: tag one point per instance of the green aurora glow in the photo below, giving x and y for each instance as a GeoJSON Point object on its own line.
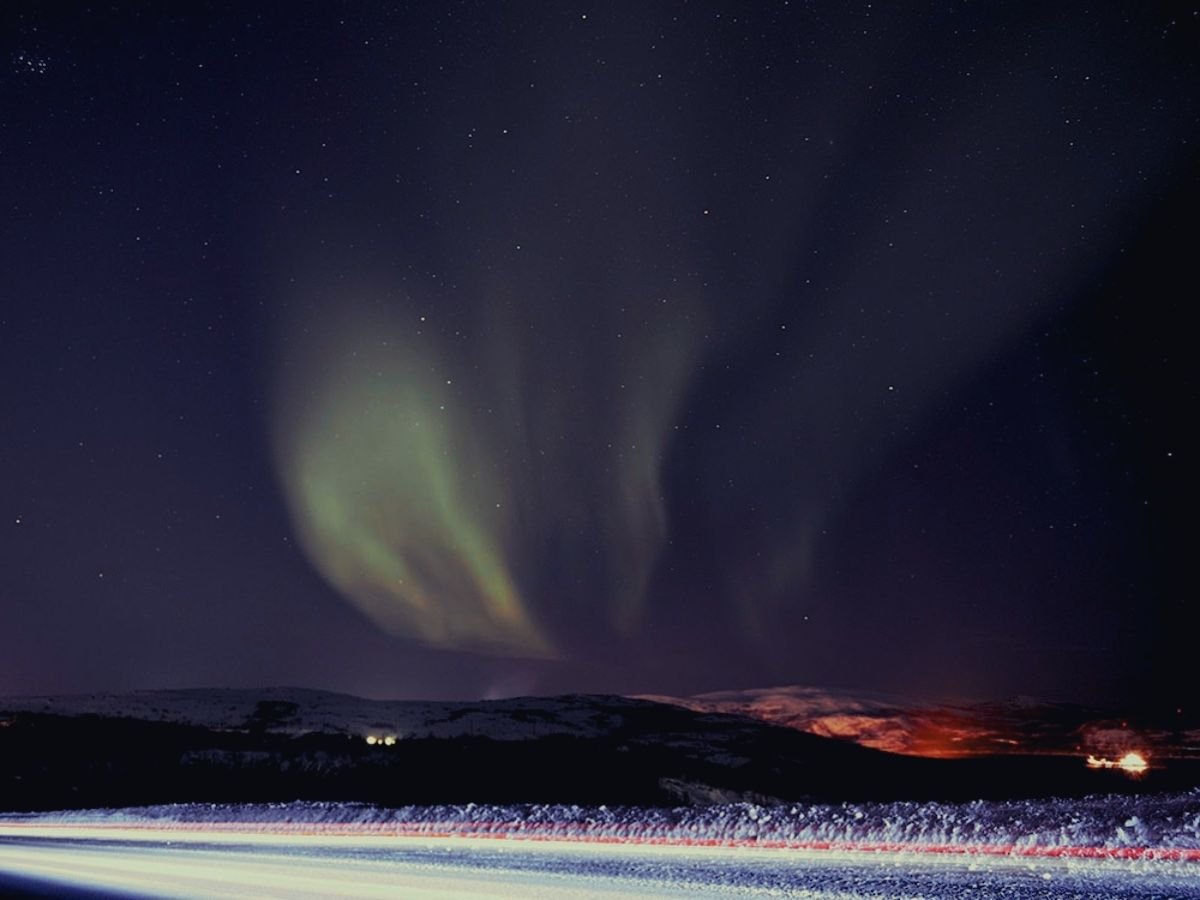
{"type": "Point", "coordinates": [428, 486]}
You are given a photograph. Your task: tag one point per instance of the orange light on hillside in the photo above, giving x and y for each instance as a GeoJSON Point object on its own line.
{"type": "Point", "coordinates": [1132, 763]}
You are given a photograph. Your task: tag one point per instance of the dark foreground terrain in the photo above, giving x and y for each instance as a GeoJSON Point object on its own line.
{"type": "Point", "coordinates": [583, 750]}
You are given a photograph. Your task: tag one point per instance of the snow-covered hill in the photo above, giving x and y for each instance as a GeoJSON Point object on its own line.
{"type": "Point", "coordinates": [284, 744]}
{"type": "Point", "coordinates": [302, 711]}
{"type": "Point", "coordinates": [1022, 725]}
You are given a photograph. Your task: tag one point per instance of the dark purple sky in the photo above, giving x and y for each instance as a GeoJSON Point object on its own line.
{"type": "Point", "coordinates": [467, 349]}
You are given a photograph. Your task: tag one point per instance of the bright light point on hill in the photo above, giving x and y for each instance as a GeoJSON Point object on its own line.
{"type": "Point", "coordinates": [389, 740]}
{"type": "Point", "coordinates": [1131, 763]}
{"type": "Point", "coordinates": [371, 739]}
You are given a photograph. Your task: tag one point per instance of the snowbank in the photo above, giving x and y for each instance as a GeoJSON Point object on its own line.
{"type": "Point", "coordinates": [1164, 826]}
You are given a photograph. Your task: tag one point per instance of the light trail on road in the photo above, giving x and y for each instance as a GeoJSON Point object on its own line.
{"type": "Point", "coordinates": [299, 861]}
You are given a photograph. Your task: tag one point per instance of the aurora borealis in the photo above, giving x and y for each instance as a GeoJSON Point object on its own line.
{"type": "Point", "coordinates": [430, 499]}
{"type": "Point", "coordinates": [461, 350]}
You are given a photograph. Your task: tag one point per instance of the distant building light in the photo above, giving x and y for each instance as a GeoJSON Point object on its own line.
{"type": "Point", "coordinates": [390, 739]}
{"type": "Point", "coordinates": [371, 739]}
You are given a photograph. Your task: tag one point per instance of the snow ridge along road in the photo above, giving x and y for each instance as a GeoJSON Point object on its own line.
{"type": "Point", "coordinates": [1103, 846]}
{"type": "Point", "coordinates": [235, 862]}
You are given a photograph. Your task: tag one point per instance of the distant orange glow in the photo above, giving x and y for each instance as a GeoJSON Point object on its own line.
{"type": "Point", "coordinates": [955, 732]}
{"type": "Point", "coordinates": [941, 735]}
{"type": "Point", "coordinates": [1132, 763]}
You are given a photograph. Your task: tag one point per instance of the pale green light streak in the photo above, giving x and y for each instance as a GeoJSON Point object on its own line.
{"type": "Point", "coordinates": [373, 459]}
{"type": "Point", "coordinates": [432, 490]}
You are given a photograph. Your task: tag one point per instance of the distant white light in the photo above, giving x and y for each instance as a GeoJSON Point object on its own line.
{"type": "Point", "coordinates": [371, 739]}
{"type": "Point", "coordinates": [1134, 763]}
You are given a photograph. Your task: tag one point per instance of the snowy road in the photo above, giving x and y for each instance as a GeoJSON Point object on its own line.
{"type": "Point", "coordinates": [109, 861]}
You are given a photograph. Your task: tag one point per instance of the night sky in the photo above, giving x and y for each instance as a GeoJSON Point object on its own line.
{"type": "Point", "coordinates": [473, 349]}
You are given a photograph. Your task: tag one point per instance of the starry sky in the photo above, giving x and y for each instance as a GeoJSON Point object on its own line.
{"type": "Point", "coordinates": [473, 349]}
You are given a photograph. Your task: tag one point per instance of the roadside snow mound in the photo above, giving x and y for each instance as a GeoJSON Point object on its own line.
{"type": "Point", "coordinates": [1155, 825]}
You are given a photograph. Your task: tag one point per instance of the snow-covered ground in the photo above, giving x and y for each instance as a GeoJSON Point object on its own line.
{"type": "Point", "coordinates": [1120, 827]}
{"type": "Point", "coordinates": [1100, 847]}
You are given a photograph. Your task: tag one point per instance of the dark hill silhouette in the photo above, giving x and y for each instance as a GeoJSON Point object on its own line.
{"type": "Point", "coordinates": [242, 746]}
